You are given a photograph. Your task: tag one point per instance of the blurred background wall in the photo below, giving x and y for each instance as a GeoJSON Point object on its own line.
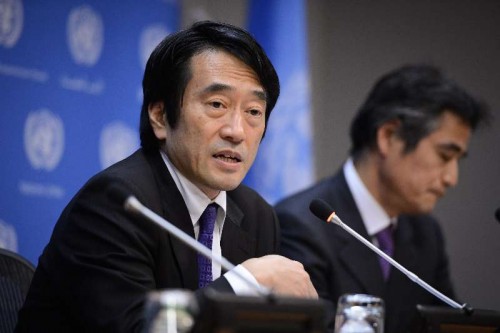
{"type": "Point", "coordinates": [351, 44]}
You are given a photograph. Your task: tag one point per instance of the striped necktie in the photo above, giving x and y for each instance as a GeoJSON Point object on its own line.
{"type": "Point", "coordinates": [386, 243]}
{"type": "Point", "coordinates": [205, 237]}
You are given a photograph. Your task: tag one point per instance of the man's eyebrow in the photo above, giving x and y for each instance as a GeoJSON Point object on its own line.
{"type": "Point", "coordinates": [260, 95]}
{"type": "Point", "coordinates": [218, 87]}
{"type": "Point", "coordinates": [454, 148]}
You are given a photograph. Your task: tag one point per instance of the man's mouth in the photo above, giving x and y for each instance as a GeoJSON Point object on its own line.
{"type": "Point", "coordinates": [228, 157]}
{"type": "Point", "coordinates": [438, 193]}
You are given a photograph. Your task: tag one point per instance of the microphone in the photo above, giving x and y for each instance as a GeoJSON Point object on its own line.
{"type": "Point", "coordinates": [323, 211]}
{"type": "Point", "coordinates": [132, 204]}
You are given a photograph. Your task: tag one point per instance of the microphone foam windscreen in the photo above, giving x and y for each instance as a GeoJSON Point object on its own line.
{"type": "Point", "coordinates": [321, 209]}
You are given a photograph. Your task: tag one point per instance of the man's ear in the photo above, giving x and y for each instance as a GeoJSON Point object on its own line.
{"type": "Point", "coordinates": [157, 119]}
{"type": "Point", "coordinates": [387, 138]}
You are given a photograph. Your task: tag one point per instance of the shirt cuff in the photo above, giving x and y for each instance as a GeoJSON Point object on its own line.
{"type": "Point", "coordinates": [240, 286]}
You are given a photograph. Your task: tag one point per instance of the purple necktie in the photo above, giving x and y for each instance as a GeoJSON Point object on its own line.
{"type": "Point", "coordinates": [205, 237]}
{"type": "Point", "coordinates": [386, 244]}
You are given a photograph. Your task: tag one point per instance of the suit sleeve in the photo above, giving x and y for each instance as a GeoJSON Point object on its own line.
{"type": "Point", "coordinates": [101, 262]}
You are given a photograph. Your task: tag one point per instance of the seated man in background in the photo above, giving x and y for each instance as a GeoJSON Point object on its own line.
{"type": "Point", "coordinates": [407, 141]}
{"type": "Point", "coordinates": [208, 93]}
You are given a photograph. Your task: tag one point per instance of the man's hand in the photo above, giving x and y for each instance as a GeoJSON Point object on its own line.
{"type": "Point", "coordinates": [282, 275]}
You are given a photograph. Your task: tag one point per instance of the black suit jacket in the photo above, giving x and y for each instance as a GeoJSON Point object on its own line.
{"type": "Point", "coordinates": [338, 263]}
{"type": "Point", "coordinates": [100, 262]}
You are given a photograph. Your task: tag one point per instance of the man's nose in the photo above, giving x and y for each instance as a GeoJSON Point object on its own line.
{"type": "Point", "coordinates": [234, 127]}
{"type": "Point", "coordinates": [450, 173]}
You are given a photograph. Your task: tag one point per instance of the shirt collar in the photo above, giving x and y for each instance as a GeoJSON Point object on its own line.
{"type": "Point", "coordinates": [196, 201]}
{"type": "Point", "coordinates": [374, 216]}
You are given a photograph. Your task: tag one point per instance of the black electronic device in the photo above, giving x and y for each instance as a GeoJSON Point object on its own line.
{"type": "Point", "coordinates": [228, 313]}
{"type": "Point", "coordinates": [440, 319]}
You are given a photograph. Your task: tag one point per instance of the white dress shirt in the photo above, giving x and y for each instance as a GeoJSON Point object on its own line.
{"type": "Point", "coordinates": [374, 216]}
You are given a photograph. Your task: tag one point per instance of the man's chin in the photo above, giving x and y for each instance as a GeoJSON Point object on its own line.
{"type": "Point", "coordinates": [425, 209]}
{"type": "Point", "coordinates": [229, 183]}
{"type": "Point", "coordinates": [420, 208]}
{"type": "Point", "coordinates": [230, 187]}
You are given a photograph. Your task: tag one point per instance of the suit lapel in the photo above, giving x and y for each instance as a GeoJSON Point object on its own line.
{"type": "Point", "coordinates": [237, 245]}
{"type": "Point", "coordinates": [406, 255]}
{"type": "Point", "coordinates": [361, 262]}
{"type": "Point", "coordinates": [176, 212]}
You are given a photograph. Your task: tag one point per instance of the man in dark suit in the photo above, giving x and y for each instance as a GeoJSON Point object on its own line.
{"type": "Point", "coordinates": [407, 140]}
{"type": "Point", "coordinates": [208, 92]}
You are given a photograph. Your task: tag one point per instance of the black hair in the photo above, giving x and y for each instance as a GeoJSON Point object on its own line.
{"type": "Point", "coordinates": [416, 96]}
{"type": "Point", "coordinates": [168, 69]}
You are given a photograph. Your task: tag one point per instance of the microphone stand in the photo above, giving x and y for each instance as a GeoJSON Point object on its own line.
{"type": "Point", "coordinates": [412, 276]}
{"type": "Point", "coordinates": [324, 212]}
{"type": "Point", "coordinates": [132, 204]}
